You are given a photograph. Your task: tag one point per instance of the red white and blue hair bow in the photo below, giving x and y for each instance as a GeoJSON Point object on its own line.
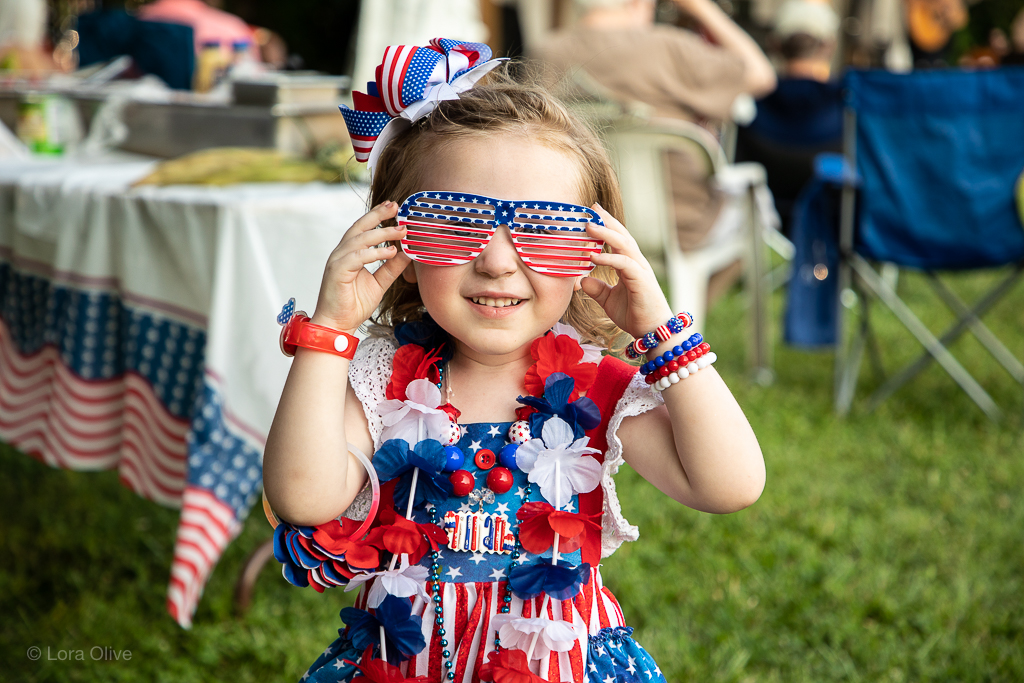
{"type": "Point", "coordinates": [409, 83]}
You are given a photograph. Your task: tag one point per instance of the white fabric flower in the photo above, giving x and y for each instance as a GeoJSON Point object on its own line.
{"type": "Point", "coordinates": [519, 632]}
{"type": "Point", "coordinates": [591, 353]}
{"type": "Point", "coordinates": [404, 582]}
{"type": "Point", "coordinates": [556, 464]}
{"type": "Point", "coordinates": [401, 418]}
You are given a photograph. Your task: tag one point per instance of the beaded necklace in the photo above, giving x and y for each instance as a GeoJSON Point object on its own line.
{"type": "Point", "coordinates": [435, 565]}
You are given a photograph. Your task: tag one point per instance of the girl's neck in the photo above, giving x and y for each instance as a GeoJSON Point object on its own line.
{"type": "Point", "coordinates": [485, 387]}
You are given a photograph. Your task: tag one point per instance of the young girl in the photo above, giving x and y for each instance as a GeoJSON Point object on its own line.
{"type": "Point", "coordinates": [494, 415]}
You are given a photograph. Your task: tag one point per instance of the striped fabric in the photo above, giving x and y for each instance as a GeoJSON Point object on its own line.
{"type": "Point", "coordinates": [469, 608]}
{"type": "Point", "coordinates": [89, 382]}
{"type": "Point", "coordinates": [59, 418]}
{"type": "Point", "coordinates": [207, 525]}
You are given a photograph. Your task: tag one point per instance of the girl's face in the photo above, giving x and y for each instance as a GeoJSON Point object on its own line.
{"type": "Point", "coordinates": [476, 302]}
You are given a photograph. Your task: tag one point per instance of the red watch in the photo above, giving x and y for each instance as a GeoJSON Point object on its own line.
{"type": "Point", "coordinates": [298, 331]}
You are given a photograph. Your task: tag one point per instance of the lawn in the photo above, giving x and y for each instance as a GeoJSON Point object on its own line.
{"type": "Point", "coordinates": [887, 547]}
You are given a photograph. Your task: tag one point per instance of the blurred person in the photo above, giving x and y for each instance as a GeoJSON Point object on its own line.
{"type": "Point", "coordinates": [803, 117]}
{"type": "Point", "coordinates": [23, 37]}
{"type": "Point", "coordinates": [674, 71]}
{"type": "Point", "coordinates": [805, 37]}
{"type": "Point", "coordinates": [930, 27]}
{"type": "Point", "coordinates": [1016, 54]}
{"type": "Point", "coordinates": [209, 24]}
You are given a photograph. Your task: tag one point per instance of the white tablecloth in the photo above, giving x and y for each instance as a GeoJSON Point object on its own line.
{"type": "Point", "coordinates": [138, 331]}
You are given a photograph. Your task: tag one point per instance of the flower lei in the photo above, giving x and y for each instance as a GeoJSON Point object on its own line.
{"type": "Point", "coordinates": [411, 460]}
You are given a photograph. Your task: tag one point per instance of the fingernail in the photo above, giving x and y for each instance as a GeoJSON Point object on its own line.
{"type": "Point", "coordinates": [388, 204]}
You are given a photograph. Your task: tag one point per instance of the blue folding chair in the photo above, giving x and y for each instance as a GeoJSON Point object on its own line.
{"type": "Point", "coordinates": [936, 155]}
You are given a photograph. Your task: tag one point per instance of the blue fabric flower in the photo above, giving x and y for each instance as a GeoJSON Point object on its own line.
{"type": "Point", "coordinates": [561, 581]}
{"type": "Point", "coordinates": [403, 630]}
{"type": "Point", "coordinates": [581, 414]}
{"type": "Point", "coordinates": [290, 554]}
{"type": "Point", "coordinates": [425, 333]}
{"type": "Point", "coordinates": [394, 459]}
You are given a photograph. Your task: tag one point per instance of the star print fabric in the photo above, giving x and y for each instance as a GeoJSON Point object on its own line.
{"type": "Point", "coordinates": [612, 657]}
{"type": "Point", "coordinates": [464, 566]}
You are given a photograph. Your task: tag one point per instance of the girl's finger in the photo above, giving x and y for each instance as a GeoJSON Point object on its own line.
{"type": "Point", "coordinates": [619, 241]}
{"type": "Point", "coordinates": [377, 236]}
{"type": "Point", "coordinates": [597, 290]}
{"type": "Point", "coordinates": [355, 260]}
{"type": "Point", "coordinates": [610, 221]}
{"type": "Point", "coordinates": [374, 217]}
{"type": "Point", "coordinates": [370, 238]}
{"type": "Point", "coordinates": [627, 267]}
{"type": "Point", "coordinates": [391, 269]}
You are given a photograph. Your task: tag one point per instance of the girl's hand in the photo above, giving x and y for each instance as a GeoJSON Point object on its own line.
{"type": "Point", "coordinates": [349, 293]}
{"type": "Point", "coordinates": [636, 303]}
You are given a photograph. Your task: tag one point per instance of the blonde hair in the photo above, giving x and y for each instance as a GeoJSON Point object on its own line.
{"type": "Point", "coordinates": [501, 103]}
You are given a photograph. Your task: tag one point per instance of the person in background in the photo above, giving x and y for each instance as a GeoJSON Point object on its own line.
{"type": "Point", "coordinates": [805, 39]}
{"type": "Point", "coordinates": [22, 37]}
{"type": "Point", "coordinates": [674, 71]}
{"type": "Point", "coordinates": [209, 24]}
{"type": "Point", "coordinates": [1016, 54]}
{"type": "Point", "coordinates": [803, 117]}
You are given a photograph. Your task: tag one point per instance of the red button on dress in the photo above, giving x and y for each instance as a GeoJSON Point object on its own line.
{"type": "Point", "coordinates": [484, 458]}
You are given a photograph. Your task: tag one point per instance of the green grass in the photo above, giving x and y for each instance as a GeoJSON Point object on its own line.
{"type": "Point", "coordinates": [886, 547]}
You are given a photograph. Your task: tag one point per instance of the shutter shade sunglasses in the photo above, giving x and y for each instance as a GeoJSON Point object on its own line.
{"type": "Point", "coordinates": [453, 228]}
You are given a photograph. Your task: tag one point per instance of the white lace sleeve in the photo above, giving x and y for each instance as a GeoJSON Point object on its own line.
{"type": "Point", "coordinates": [616, 530]}
{"type": "Point", "coordinates": [369, 374]}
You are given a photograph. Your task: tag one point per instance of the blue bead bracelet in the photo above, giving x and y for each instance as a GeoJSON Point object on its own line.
{"type": "Point", "coordinates": [672, 354]}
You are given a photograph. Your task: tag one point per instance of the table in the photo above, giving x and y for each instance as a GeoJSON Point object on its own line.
{"type": "Point", "coordinates": [138, 332]}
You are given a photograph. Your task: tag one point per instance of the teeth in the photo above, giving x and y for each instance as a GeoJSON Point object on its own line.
{"type": "Point", "coordinates": [495, 303]}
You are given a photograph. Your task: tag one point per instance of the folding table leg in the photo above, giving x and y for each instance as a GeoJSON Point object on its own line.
{"type": "Point", "coordinates": [881, 289]}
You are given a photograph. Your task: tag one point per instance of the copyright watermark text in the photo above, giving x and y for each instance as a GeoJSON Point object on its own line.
{"type": "Point", "coordinates": [97, 653]}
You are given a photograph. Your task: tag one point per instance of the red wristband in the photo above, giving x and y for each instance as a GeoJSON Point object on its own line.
{"type": "Point", "coordinates": [298, 331]}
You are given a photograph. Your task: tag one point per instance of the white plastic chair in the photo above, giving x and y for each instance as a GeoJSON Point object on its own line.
{"type": "Point", "coordinates": [746, 224]}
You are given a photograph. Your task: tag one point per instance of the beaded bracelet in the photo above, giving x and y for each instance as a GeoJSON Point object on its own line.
{"type": "Point", "coordinates": [675, 353]}
{"type": "Point", "coordinates": [674, 325]}
{"type": "Point", "coordinates": [670, 367]}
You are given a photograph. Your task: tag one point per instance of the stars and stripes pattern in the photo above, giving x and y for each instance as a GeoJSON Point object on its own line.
{"type": "Point", "coordinates": [88, 382]}
{"type": "Point", "coordinates": [452, 228]}
{"type": "Point", "coordinates": [469, 609]}
{"type": "Point", "coordinates": [405, 76]}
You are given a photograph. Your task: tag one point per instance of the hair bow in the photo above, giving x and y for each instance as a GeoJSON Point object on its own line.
{"type": "Point", "coordinates": [409, 83]}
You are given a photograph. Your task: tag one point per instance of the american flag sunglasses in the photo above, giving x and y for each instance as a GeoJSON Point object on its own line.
{"type": "Point", "coordinates": [452, 228]}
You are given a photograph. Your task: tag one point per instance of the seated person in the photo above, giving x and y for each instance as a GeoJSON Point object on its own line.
{"type": "Point", "coordinates": [22, 38]}
{"type": "Point", "coordinates": [208, 23]}
{"type": "Point", "coordinates": [804, 116]}
{"type": "Point", "coordinates": [674, 71]}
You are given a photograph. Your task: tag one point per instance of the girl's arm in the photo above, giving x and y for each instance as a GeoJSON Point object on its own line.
{"type": "Point", "coordinates": [698, 448]}
{"type": "Point", "coordinates": [308, 475]}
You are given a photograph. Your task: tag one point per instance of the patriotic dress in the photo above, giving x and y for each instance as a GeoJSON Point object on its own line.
{"type": "Point", "coordinates": [449, 623]}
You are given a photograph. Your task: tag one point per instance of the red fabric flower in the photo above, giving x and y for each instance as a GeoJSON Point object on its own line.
{"type": "Point", "coordinates": [524, 412]}
{"type": "Point", "coordinates": [411, 362]}
{"type": "Point", "coordinates": [508, 666]}
{"type": "Point", "coordinates": [559, 353]}
{"type": "Point", "coordinates": [379, 671]}
{"type": "Point", "coordinates": [336, 537]}
{"type": "Point", "coordinates": [539, 522]}
{"type": "Point", "coordinates": [399, 535]}
{"type": "Point", "coordinates": [453, 412]}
